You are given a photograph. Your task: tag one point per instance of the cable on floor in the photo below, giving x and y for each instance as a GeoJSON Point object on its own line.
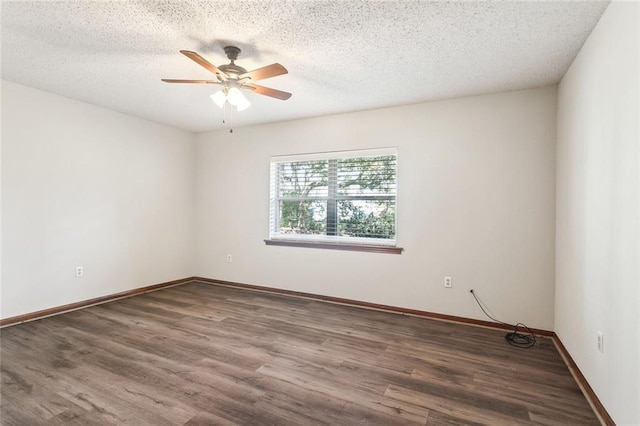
{"type": "Point", "coordinates": [518, 338]}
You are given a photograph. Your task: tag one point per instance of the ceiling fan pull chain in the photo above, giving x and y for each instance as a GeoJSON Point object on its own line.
{"type": "Point", "coordinates": [224, 113]}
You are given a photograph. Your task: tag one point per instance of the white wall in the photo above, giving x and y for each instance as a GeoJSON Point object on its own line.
{"type": "Point", "coordinates": [82, 185]}
{"type": "Point", "coordinates": [597, 211]}
{"type": "Point", "coordinates": [476, 201]}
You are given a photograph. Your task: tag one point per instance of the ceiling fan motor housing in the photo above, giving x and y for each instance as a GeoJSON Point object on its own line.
{"type": "Point", "coordinates": [232, 70]}
{"type": "Point", "coordinates": [232, 52]}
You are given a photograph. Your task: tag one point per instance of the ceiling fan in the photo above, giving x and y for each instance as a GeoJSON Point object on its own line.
{"type": "Point", "coordinates": [233, 78]}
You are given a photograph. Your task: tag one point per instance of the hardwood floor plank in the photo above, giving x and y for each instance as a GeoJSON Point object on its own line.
{"type": "Point", "coordinates": [40, 405]}
{"type": "Point", "coordinates": [317, 408]}
{"type": "Point", "coordinates": [406, 410]}
{"type": "Point", "coordinates": [12, 414]}
{"type": "Point", "coordinates": [437, 418]}
{"type": "Point", "coordinates": [535, 395]}
{"type": "Point", "coordinates": [104, 400]}
{"type": "Point", "coordinates": [77, 416]}
{"type": "Point", "coordinates": [207, 419]}
{"type": "Point", "coordinates": [199, 354]}
{"type": "Point", "coordinates": [378, 415]}
{"type": "Point", "coordinates": [474, 408]}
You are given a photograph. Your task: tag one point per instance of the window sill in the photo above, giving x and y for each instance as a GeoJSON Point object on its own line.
{"type": "Point", "coordinates": [336, 246]}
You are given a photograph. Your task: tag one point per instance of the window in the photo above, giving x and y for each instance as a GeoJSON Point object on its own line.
{"type": "Point", "coordinates": [337, 198]}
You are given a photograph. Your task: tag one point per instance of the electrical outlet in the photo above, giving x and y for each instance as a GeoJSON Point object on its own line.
{"type": "Point", "coordinates": [229, 258]}
{"type": "Point", "coordinates": [79, 271]}
{"type": "Point", "coordinates": [600, 342]}
{"type": "Point", "coordinates": [447, 282]}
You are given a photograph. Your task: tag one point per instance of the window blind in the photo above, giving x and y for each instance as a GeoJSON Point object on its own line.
{"type": "Point", "coordinates": [340, 196]}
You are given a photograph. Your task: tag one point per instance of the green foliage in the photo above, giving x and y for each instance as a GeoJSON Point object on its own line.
{"type": "Point", "coordinates": [302, 217]}
{"type": "Point", "coordinates": [372, 173]}
{"type": "Point", "coordinates": [354, 221]}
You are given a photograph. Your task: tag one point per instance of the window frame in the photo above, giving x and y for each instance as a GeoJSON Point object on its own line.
{"type": "Point", "coordinates": [324, 241]}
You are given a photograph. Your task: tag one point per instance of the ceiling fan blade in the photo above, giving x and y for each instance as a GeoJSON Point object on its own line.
{"type": "Point", "coordinates": [173, 80]}
{"type": "Point", "coordinates": [204, 63]}
{"type": "Point", "coordinates": [267, 91]}
{"type": "Point", "coordinates": [264, 72]}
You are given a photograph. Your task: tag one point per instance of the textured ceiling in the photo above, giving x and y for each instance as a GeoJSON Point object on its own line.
{"type": "Point", "coordinates": [341, 55]}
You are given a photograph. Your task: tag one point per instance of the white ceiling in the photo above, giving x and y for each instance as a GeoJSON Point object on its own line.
{"type": "Point", "coordinates": [341, 55]}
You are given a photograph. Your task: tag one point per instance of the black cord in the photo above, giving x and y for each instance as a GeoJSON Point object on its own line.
{"type": "Point", "coordinates": [516, 338]}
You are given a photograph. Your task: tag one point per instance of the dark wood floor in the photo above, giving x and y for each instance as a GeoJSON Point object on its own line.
{"type": "Point", "coordinates": [200, 354]}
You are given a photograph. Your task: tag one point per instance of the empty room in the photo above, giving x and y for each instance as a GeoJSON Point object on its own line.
{"type": "Point", "coordinates": [320, 212]}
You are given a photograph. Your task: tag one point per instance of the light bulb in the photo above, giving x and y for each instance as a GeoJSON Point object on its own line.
{"type": "Point", "coordinates": [219, 98]}
{"type": "Point", "coordinates": [243, 104]}
{"type": "Point", "coordinates": [235, 97]}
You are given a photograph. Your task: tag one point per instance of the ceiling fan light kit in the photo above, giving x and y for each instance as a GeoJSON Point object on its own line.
{"type": "Point", "coordinates": [234, 78]}
{"type": "Point", "coordinates": [231, 95]}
